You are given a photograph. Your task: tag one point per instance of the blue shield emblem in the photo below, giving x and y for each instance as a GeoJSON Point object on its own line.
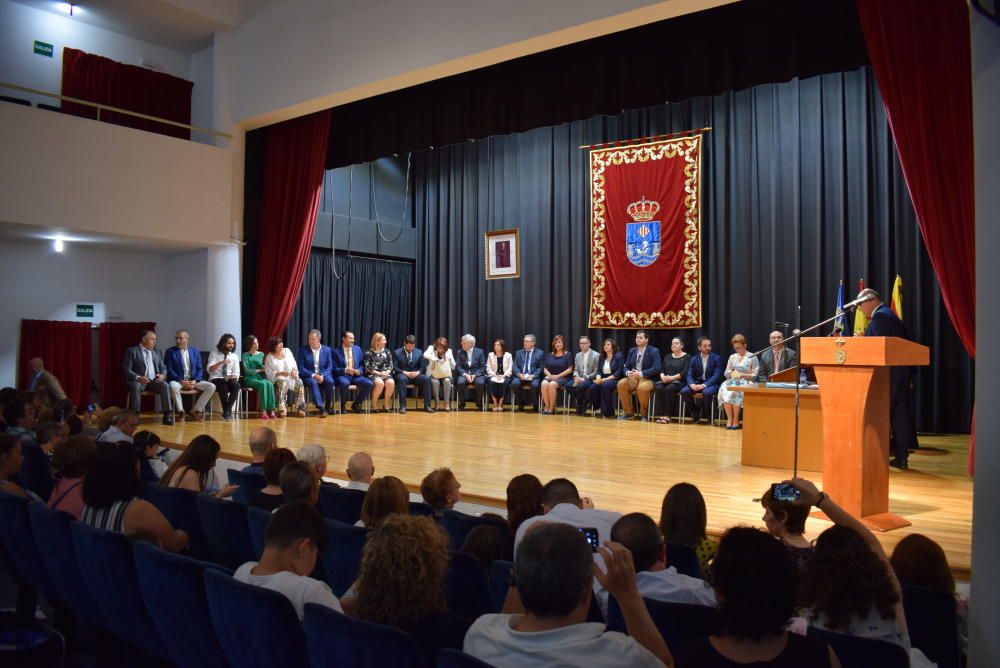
{"type": "Point", "coordinates": [642, 242]}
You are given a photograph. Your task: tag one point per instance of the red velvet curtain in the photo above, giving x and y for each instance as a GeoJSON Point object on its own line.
{"type": "Point", "coordinates": [921, 54]}
{"type": "Point", "coordinates": [293, 180]}
{"type": "Point", "coordinates": [115, 339]}
{"type": "Point", "coordinates": [65, 349]}
{"type": "Point", "coordinates": [100, 79]}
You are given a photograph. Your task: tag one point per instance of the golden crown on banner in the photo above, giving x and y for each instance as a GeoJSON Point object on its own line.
{"type": "Point", "coordinates": [643, 210]}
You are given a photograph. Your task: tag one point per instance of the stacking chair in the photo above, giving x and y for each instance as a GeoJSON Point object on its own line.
{"type": "Point", "coordinates": [257, 520]}
{"type": "Point", "coordinates": [466, 588]}
{"type": "Point", "coordinates": [180, 507]}
{"type": "Point", "coordinates": [500, 572]}
{"type": "Point", "coordinates": [342, 505]}
{"type": "Point", "coordinates": [684, 559]}
{"type": "Point", "coordinates": [342, 556]}
{"type": "Point", "coordinates": [254, 626]}
{"type": "Point", "coordinates": [334, 639]}
{"type": "Point", "coordinates": [858, 652]}
{"type": "Point", "coordinates": [932, 624]}
{"type": "Point", "coordinates": [458, 525]}
{"type": "Point", "coordinates": [249, 484]}
{"type": "Point", "coordinates": [677, 622]}
{"type": "Point", "coordinates": [173, 587]}
{"type": "Point", "coordinates": [226, 531]}
{"type": "Point", "coordinates": [452, 658]}
{"type": "Point", "coordinates": [713, 409]}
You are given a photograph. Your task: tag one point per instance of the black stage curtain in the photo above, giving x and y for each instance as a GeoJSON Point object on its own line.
{"type": "Point", "coordinates": [371, 295]}
{"type": "Point", "coordinates": [801, 188]}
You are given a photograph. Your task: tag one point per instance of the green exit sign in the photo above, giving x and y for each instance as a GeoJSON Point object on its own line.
{"type": "Point", "coordinates": [43, 49]}
{"type": "Point", "coordinates": [84, 310]}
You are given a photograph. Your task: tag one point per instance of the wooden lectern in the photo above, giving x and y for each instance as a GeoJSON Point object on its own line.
{"type": "Point", "coordinates": [853, 377]}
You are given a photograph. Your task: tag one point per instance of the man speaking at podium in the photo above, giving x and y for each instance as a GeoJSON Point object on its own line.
{"type": "Point", "coordinates": [883, 322]}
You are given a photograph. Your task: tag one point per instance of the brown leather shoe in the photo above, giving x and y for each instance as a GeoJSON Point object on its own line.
{"type": "Point", "coordinates": [196, 416]}
{"type": "Point", "coordinates": [179, 416]}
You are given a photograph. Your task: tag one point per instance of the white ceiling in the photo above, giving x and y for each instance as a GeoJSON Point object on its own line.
{"type": "Point", "coordinates": [116, 242]}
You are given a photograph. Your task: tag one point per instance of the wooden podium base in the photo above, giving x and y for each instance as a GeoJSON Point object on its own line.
{"type": "Point", "coordinates": [879, 522]}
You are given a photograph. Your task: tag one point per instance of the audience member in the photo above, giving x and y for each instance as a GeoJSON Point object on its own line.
{"type": "Point", "coordinates": [294, 538]}
{"type": "Point", "coordinates": [11, 460]}
{"type": "Point", "coordinates": [440, 368]}
{"type": "Point", "coordinates": [72, 459]}
{"type": "Point", "coordinates": [262, 440]}
{"type": "Point", "coordinates": [255, 377]}
{"type": "Point", "coordinates": [786, 521]}
{"type": "Point", "coordinates": [102, 418]}
{"type": "Point", "coordinates": [283, 372]}
{"type": "Point", "coordinates": [379, 368]}
{"type": "Point", "coordinates": [527, 372]}
{"type": "Point", "coordinates": [440, 490]}
{"type": "Point", "coordinates": [918, 561]}
{"type": "Point", "coordinates": [553, 575]}
{"type": "Point", "coordinates": [755, 583]}
{"type": "Point", "coordinates": [643, 366]}
{"type": "Point", "coordinates": [410, 369]}
{"type": "Point", "coordinates": [316, 369]}
{"type": "Point", "coordinates": [37, 473]}
{"type": "Point", "coordinates": [487, 544]}
{"type": "Point", "coordinates": [683, 521]}
{"type": "Point", "coordinates": [741, 368]}
{"type": "Point", "coordinates": [348, 367]}
{"type": "Point", "coordinates": [703, 377]}
{"type": "Point", "coordinates": [44, 380]}
{"type": "Point", "coordinates": [360, 469]}
{"type": "Point", "coordinates": [470, 370]}
{"type": "Point", "coordinates": [224, 372]}
{"type": "Point", "coordinates": [63, 410]}
{"type": "Point", "coordinates": [524, 500]}
{"type": "Point", "coordinates": [21, 417]}
{"type": "Point", "coordinates": [557, 371]}
{"type": "Point", "coordinates": [195, 468]}
{"type": "Point", "coordinates": [316, 456]}
{"type": "Point", "coordinates": [639, 533]}
{"type": "Point", "coordinates": [605, 390]}
{"type": "Point", "coordinates": [270, 498]}
{"type": "Point", "coordinates": [122, 428]}
{"type": "Point", "coordinates": [110, 499]}
{"type": "Point", "coordinates": [400, 583]}
{"type": "Point", "coordinates": [186, 373]}
{"type": "Point", "coordinates": [586, 366]}
{"type": "Point", "coordinates": [145, 371]}
{"type": "Point", "coordinates": [561, 502]}
{"type": "Point", "coordinates": [671, 380]}
{"type": "Point", "coordinates": [7, 395]}
{"type": "Point", "coordinates": [75, 425]}
{"type": "Point", "coordinates": [151, 466]}
{"type": "Point", "coordinates": [299, 482]}
{"type": "Point", "coordinates": [386, 496]}
{"type": "Point", "coordinates": [499, 371]}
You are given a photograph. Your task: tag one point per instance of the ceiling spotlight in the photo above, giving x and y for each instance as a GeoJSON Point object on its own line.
{"type": "Point", "coordinates": [57, 245]}
{"type": "Point", "coordinates": [67, 7]}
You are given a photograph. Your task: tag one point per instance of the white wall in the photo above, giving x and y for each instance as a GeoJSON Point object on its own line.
{"type": "Point", "coordinates": [202, 95]}
{"type": "Point", "coordinates": [60, 170]}
{"type": "Point", "coordinates": [186, 300]}
{"type": "Point", "coordinates": [21, 25]}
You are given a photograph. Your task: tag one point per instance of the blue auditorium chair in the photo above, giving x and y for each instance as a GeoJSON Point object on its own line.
{"type": "Point", "coordinates": [342, 505]}
{"type": "Point", "coordinates": [684, 559]}
{"type": "Point", "coordinates": [342, 556]}
{"type": "Point", "coordinates": [932, 623]}
{"type": "Point", "coordinates": [677, 622]}
{"type": "Point", "coordinates": [422, 509]}
{"type": "Point", "coordinates": [227, 534]}
{"type": "Point", "coordinates": [334, 639]}
{"type": "Point", "coordinates": [458, 525]}
{"type": "Point", "coordinates": [249, 484]}
{"type": "Point", "coordinates": [254, 626]}
{"type": "Point", "coordinates": [500, 572]}
{"type": "Point", "coordinates": [858, 652]}
{"type": "Point", "coordinates": [180, 507]}
{"type": "Point", "coordinates": [257, 521]}
{"type": "Point", "coordinates": [20, 546]}
{"type": "Point", "coordinates": [452, 658]}
{"type": "Point", "coordinates": [173, 587]}
{"type": "Point", "coordinates": [109, 569]}
{"type": "Point", "coordinates": [466, 588]}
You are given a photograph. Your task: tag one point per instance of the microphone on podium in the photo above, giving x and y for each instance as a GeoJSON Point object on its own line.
{"type": "Point", "coordinates": [859, 301]}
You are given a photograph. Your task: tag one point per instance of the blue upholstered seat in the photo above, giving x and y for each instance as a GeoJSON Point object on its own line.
{"type": "Point", "coordinates": [334, 639]}
{"type": "Point", "coordinates": [500, 572]}
{"type": "Point", "coordinates": [466, 588]}
{"type": "Point", "coordinates": [676, 622]}
{"type": "Point", "coordinates": [342, 505]}
{"type": "Point", "coordinates": [684, 559]}
{"type": "Point", "coordinates": [227, 534]}
{"type": "Point", "coordinates": [420, 508]}
{"type": "Point", "coordinates": [858, 652]}
{"type": "Point", "coordinates": [342, 556]}
{"type": "Point", "coordinates": [257, 521]}
{"type": "Point", "coordinates": [458, 525]}
{"type": "Point", "coordinates": [452, 658]}
{"type": "Point", "coordinates": [250, 484]}
{"type": "Point", "coordinates": [180, 507]}
{"type": "Point", "coordinates": [19, 543]}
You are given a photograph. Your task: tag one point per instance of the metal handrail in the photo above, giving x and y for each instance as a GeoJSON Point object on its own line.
{"type": "Point", "coordinates": [117, 110]}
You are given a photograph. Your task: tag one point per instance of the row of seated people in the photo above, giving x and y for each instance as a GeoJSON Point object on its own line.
{"type": "Point", "coordinates": [843, 582]}
{"type": "Point", "coordinates": [599, 380]}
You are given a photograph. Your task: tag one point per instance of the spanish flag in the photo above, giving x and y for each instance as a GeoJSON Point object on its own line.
{"type": "Point", "coordinates": [897, 297]}
{"type": "Point", "coordinates": [860, 321]}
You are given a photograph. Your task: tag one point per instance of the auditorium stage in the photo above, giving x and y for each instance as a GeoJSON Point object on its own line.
{"type": "Point", "coordinates": [623, 466]}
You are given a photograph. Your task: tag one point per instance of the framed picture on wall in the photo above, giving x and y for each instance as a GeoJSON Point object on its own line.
{"type": "Point", "coordinates": [503, 254]}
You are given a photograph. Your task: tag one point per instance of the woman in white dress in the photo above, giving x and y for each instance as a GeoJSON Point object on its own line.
{"type": "Point", "coordinates": [741, 370]}
{"type": "Point", "coordinates": [440, 367]}
{"type": "Point", "coordinates": [283, 371]}
{"type": "Point", "coordinates": [499, 371]}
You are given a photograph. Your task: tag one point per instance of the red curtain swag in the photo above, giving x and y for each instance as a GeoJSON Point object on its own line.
{"type": "Point", "coordinates": [64, 348]}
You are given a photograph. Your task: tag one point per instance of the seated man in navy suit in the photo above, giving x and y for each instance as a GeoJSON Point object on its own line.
{"type": "Point", "coordinates": [470, 371]}
{"type": "Point", "coordinates": [316, 371]}
{"type": "Point", "coordinates": [884, 322]}
{"type": "Point", "coordinates": [410, 369]}
{"type": "Point", "coordinates": [642, 367]}
{"type": "Point", "coordinates": [704, 375]}
{"type": "Point", "coordinates": [185, 372]}
{"type": "Point", "coordinates": [527, 372]}
{"type": "Point", "coordinates": [348, 369]}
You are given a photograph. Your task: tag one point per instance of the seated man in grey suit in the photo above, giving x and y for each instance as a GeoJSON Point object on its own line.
{"type": "Point", "coordinates": [777, 358]}
{"type": "Point", "coordinates": [585, 369]}
{"type": "Point", "coordinates": [146, 372]}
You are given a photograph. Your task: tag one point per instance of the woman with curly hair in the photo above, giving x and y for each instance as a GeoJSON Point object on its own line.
{"type": "Point", "coordinates": [400, 583]}
{"type": "Point", "coordinates": [848, 585]}
{"type": "Point", "coordinates": [524, 500]}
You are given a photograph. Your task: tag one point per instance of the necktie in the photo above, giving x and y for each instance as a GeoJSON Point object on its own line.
{"type": "Point", "coordinates": [150, 371]}
{"type": "Point", "coordinates": [777, 361]}
{"type": "Point", "coordinates": [527, 360]}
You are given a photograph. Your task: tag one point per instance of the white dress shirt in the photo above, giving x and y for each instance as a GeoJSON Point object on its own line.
{"type": "Point", "coordinates": [230, 367]}
{"type": "Point", "coordinates": [667, 585]}
{"type": "Point", "coordinates": [581, 518]}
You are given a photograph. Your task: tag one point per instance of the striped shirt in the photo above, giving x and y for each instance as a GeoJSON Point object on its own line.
{"type": "Point", "coordinates": [109, 518]}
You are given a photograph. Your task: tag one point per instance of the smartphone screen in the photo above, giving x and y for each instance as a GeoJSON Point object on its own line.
{"type": "Point", "coordinates": [590, 533]}
{"type": "Point", "coordinates": [784, 492]}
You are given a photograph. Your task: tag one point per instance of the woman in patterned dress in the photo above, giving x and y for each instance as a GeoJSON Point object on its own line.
{"type": "Point", "coordinates": [741, 369]}
{"type": "Point", "coordinates": [378, 366]}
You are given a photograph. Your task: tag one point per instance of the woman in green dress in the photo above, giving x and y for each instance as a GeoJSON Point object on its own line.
{"type": "Point", "coordinates": [256, 379]}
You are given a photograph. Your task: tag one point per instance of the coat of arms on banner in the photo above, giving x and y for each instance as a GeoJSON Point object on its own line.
{"type": "Point", "coordinates": [642, 238]}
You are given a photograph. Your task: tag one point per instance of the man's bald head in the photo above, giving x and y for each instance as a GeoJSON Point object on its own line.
{"type": "Point", "coordinates": [360, 467]}
{"type": "Point", "coordinates": [262, 439]}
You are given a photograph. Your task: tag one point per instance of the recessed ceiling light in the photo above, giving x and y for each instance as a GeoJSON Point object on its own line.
{"type": "Point", "coordinates": [58, 245]}
{"type": "Point", "coordinates": [68, 8]}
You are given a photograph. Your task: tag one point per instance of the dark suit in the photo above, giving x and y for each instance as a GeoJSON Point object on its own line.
{"type": "Point", "coordinates": [711, 376]}
{"type": "Point", "coordinates": [530, 364]}
{"type": "Point", "coordinates": [904, 433]}
{"type": "Point", "coordinates": [343, 380]}
{"type": "Point", "coordinates": [412, 361]}
{"type": "Point", "coordinates": [604, 394]}
{"type": "Point", "coordinates": [650, 367]}
{"type": "Point", "coordinates": [134, 365]}
{"type": "Point", "coordinates": [789, 358]}
{"type": "Point", "coordinates": [322, 393]}
{"type": "Point", "coordinates": [474, 364]}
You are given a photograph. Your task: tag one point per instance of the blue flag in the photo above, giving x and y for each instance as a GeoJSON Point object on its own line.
{"type": "Point", "coordinates": [840, 324]}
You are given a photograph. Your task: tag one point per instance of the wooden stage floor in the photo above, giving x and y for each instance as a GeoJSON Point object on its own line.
{"type": "Point", "coordinates": [623, 466]}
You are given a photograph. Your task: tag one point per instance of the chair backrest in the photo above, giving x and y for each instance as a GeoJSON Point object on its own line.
{"type": "Point", "coordinates": [257, 520]}
{"type": "Point", "coordinates": [342, 505]}
{"type": "Point", "coordinates": [180, 507]}
{"type": "Point", "coordinates": [452, 658]}
{"type": "Point", "coordinates": [931, 619]}
{"type": "Point", "coordinates": [466, 587]}
{"type": "Point", "coordinates": [51, 529]}
{"type": "Point", "coordinates": [254, 626]}
{"type": "Point", "coordinates": [342, 556]}
{"type": "Point", "coordinates": [500, 572]}
{"type": "Point", "coordinates": [684, 559]}
{"type": "Point", "coordinates": [109, 569]}
{"type": "Point", "coordinates": [422, 509]}
{"type": "Point", "coordinates": [458, 525]}
{"type": "Point", "coordinates": [227, 534]}
{"type": "Point", "coordinates": [677, 622]}
{"type": "Point", "coordinates": [334, 639]}
{"type": "Point", "coordinates": [19, 543]}
{"type": "Point", "coordinates": [249, 484]}
{"type": "Point", "coordinates": [36, 472]}
{"type": "Point", "coordinates": [173, 587]}
{"type": "Point", "coordinates": [858, 652]}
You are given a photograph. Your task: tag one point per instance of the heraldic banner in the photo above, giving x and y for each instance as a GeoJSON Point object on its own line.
{"type": "Point", "coordinates": [645, 235]}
